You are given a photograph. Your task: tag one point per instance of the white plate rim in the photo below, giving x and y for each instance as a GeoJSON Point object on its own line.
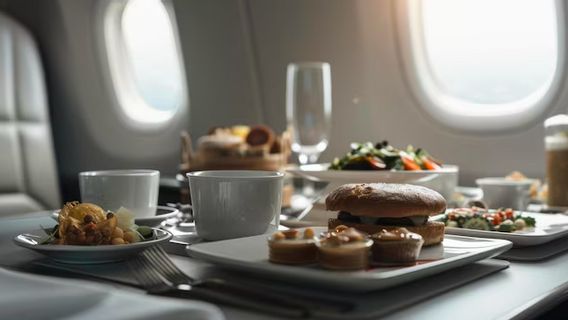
{"type": "Point", "coordinates": [320, 172]}
{"type": "Point", "coordinates": [446, 168]}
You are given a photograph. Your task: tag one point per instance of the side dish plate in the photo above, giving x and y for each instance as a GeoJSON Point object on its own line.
{"type": "Point", "coordinates": [251, 255]}
{"type": "Point", "coordinates": [88, 254]}
{"type": "Point", "coordinates": [548, 227]}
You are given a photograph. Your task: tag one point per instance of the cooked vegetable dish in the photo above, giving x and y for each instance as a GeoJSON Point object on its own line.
{"type": "Point", "coordinates": [503, 220]}
{"type": "Point", "coordinates": [87, 224]}
{"type": "Point", "coordinates": [383, 156]}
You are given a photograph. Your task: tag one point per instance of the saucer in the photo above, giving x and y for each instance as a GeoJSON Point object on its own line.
{"type": "Point", "coordinates": [162, 213]}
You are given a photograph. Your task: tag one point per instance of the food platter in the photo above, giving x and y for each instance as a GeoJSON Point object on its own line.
{"type": "Point", "coordinates": [548, 227]}
{"type": "Point", "coordinates": [251, 255]}
{"type": "Point", "coordinates": [87, 254]}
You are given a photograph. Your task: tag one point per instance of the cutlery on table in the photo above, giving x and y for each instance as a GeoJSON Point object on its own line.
{"type": "Point", "coordinates": [159, 275]}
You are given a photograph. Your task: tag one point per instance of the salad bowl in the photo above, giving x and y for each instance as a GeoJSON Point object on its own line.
{"type": "Point", "coordinates": [443, 180]}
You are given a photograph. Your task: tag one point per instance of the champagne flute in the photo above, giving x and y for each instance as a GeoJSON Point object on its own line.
{"type": "Point", "coordinates": [308, 110]}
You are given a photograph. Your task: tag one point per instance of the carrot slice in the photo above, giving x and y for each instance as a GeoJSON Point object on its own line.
{"type": "Point", "coordinates": [409, 164]}
{"type": "Point", "coordinates": [429, 164]}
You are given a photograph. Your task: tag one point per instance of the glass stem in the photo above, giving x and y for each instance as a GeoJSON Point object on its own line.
{"type": "Point", "coordinates": [308, 186]}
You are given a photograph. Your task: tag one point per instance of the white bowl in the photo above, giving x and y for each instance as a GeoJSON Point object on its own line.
{"type": "Point", "coordinates": [235, 203]}
{"type": "Point", "coordinates": [501, 192]}
{"type": "Point", "coordinates": [443, 180]}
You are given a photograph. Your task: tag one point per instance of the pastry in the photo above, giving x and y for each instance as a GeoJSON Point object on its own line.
{"type": "Point", "coordinates": [396, 247]}
{"type": "Point", "coordinates": [344, 249]}
{"type": "Point", "coordinates": [292, 247]}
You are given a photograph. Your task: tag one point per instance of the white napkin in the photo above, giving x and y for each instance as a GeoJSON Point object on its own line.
{"type": "Point", "coordinates": [26, 296]}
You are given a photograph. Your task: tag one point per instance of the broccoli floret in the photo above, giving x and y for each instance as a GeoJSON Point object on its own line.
{"type": "Point", "coordinates": [507, 226]}
{"type": "Point", "coordinates": [477, 224]}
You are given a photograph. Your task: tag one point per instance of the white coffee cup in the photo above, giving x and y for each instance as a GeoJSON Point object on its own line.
{"type": "Point", "coordinates": [136, 190]}
{"type": "Point", "coordinates": [499, 192]}
{"type": "Point", "coordinates": [235, 203]}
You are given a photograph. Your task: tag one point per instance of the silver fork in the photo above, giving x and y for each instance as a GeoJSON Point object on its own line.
{"type": "Point", "coordinates": [295, 305]}
{"type": "Point", "coordinates": [158, 257]}
{"type": "Point", "coordinates": [156, 284]}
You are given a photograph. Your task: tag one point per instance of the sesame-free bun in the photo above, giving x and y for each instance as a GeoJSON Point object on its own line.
{"type": "Point", "coordinates": [385, 200]}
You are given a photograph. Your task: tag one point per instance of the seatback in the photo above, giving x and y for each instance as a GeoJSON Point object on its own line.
{"type": "Point", "coordinates": [28, 174]}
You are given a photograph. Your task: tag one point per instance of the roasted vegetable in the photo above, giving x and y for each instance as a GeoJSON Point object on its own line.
{"type": "Point", "coordinates": [503, 220]}
{"type": "Point", "coordinates": [476, 223]}
{"type": "Point", "coordinates": [87, 224]}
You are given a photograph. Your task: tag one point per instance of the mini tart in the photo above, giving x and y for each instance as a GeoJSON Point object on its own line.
{"type": "Point", "coordinates": [347, 249]}
{"type": "Point", "coordinates": [396, 247]}
{"type": "Point", "coordinates": [432, 232]}
{"type": "Point", "coordinates": [288, 247]}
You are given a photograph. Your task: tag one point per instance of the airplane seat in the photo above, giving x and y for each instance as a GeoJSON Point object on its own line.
{"type": "Point", "coordinates": [28, 173]}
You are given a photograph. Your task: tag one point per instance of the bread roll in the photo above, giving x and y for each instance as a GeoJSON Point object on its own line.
{"type": "Point", "coordinates": [385, 200]}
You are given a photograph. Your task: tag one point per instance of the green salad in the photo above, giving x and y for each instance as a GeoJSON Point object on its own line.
{"type": "Point", "coordinates": [383, 156]}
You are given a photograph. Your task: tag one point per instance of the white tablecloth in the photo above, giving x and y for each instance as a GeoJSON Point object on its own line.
{"type": "Point", "coordinates": [26, 296]}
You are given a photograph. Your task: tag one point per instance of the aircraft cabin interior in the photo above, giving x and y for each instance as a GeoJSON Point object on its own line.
{"type": "Point", "coordinates": [283, 159]}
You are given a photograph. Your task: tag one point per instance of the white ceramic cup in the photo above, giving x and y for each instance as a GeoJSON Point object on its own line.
{"type": "Point", "coordinates": [500, 192]}
{"type": "Point", "coordinates": [136, 190]}
{"type": "Point", "coordinates": [235, 203]}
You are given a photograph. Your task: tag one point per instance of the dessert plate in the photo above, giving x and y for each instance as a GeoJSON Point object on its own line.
{"type": "Point", "coordinates": [548, 227]}
{"type": "Point", "coordinates": [251, 255]}
{"type": "Point", "coordinates": [162, 213]}
{"type": "Point", "coordinates": [88, 254]}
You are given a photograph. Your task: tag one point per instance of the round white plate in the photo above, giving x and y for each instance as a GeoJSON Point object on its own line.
{"type": "Point", "coordinates": [88, 254]}
{"type": "Point", "coordinates": [162, 213]}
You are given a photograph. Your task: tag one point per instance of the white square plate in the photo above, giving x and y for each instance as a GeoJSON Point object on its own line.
{"type": "Point", "coordinates": [549, 226]}
{"type": "Point", "coordinates": [251, 255]}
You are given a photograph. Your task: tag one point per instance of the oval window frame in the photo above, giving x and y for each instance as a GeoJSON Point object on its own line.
{"type": "Point", "coordinates": [456, 114]}
{"type": "Point", "coordinates": [119, 75]}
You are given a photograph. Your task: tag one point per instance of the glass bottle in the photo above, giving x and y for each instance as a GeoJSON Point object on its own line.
{"type": "Point", "coordinates": [556, 145]}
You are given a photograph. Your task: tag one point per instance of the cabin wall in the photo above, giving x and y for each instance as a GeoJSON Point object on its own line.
{"type": "Point", "coordinates": [371, 100]}
{"type": "Point", "coordinates": [218, 55]}
{"type": "Point", "coordinates": [235, 55]}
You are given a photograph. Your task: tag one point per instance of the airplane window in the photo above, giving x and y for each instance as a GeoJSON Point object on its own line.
{"type": "Point", "coordinates": [147, 70]}
{"type": "Point", "coordinates": [486, 59]}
